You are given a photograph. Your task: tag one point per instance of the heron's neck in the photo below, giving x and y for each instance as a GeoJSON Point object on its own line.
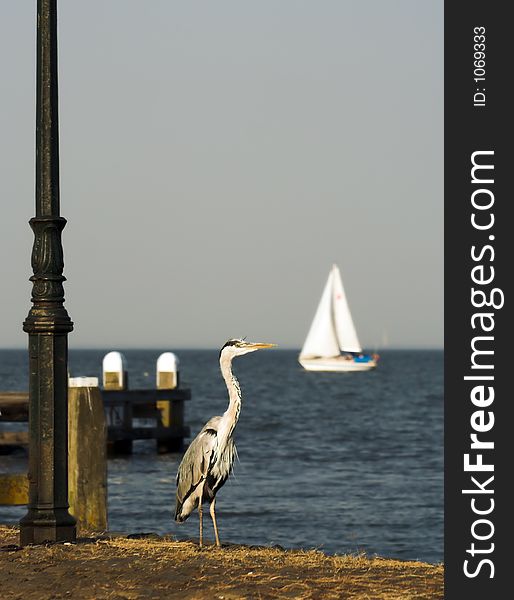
{"type": "Point", "coordinates": [231, 415]}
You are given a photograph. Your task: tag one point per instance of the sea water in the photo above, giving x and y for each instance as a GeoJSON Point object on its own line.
{"type": "Point", "coordinates": [342, 462]}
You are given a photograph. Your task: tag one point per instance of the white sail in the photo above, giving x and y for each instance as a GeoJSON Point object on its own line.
{"type": "Point", "coordinates": [321, 339]}
{"type": "Point", "coordinates": [345, 329]}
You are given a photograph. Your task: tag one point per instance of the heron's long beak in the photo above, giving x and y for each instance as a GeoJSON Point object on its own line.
{"type": "Point", "coordinates": [259, 345]}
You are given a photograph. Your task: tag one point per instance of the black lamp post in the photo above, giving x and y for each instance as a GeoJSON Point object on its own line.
{"type": "Point", "coordinates": [48, 322]}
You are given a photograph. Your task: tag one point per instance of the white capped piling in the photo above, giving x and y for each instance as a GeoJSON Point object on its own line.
{"type": "Point", "coordinates": [167, 371]}
{"type": "Point", "coordinates": [114, 368]}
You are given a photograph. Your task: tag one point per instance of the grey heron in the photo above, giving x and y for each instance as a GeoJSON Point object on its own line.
{"type": "Point", "coordinates": [208, 460]}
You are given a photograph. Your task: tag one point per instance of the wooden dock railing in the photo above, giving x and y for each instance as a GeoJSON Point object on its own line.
{"type": "Point", "coordinates": [123, 410]}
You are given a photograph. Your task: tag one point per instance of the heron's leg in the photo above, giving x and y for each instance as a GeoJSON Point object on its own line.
{"type": "Point", "coordinates": [200, 514]}
{"type": "Point", "coordinates": [213, 517]}
{"type": "Point", "coordinates": [201, 523]}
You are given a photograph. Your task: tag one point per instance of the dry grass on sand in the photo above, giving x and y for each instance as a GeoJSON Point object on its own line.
{"type": "Point", "coordinates": [122, 568]}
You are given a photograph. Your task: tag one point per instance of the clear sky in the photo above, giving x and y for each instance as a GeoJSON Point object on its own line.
{"type": "Point", "coordinates": [218, 157]}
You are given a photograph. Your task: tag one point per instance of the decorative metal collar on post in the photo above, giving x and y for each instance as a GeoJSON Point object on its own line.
{"type": "Point", "coordinates": [48, 322]}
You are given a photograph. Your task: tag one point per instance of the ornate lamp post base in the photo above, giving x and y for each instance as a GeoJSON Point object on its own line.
{"type": "Point", "coordinates": [39, 526]}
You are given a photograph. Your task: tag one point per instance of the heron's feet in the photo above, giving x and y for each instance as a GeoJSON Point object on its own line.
{"type": "Point", "coordinates": [207, 546]}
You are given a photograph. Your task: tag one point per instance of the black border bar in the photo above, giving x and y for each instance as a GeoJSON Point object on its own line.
{"type": "Point", "coordinates": [479, 131]}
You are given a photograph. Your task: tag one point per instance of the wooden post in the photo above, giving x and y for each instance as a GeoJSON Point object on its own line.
{"type": "Point", "coordinates": [87, 455]}
{"type": "Point", "coordinates": [115, 377]}
{"type": "Point", "coordinates": [172, 412]}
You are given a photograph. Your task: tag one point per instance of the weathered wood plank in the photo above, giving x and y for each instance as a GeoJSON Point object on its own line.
{"type": "Point", "coordinates": [14, 438]}
{"type": "Point", "coordinates": [14, 406]}
{"type": "Point", "coordinates": [144, 396]}
{"type": "Point", "coordinates": [14, 397]}
{"type": "Point", "coordinates": [14, 489]}
{"type": "Point", "coordinates": [149, 433]}
{"type": "Point", "coordinates": [146, 411]}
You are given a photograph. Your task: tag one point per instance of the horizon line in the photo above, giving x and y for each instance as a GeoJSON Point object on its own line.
{"type": "Point", "coordinates": [179, 348]}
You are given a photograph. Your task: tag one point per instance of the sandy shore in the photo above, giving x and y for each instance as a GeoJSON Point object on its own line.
{"type": "Point", "coordinates": [121, 568]}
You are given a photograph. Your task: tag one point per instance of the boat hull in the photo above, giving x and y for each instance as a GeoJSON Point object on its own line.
{"type": "Point", "coordinates": [337, 364]}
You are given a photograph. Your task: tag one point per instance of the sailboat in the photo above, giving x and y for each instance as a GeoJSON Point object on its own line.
{"type": "Point", "coordinates": [332, 343]}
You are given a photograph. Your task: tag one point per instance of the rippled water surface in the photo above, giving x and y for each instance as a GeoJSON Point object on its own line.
{"type": "Point", "coordinates": [340, 462]}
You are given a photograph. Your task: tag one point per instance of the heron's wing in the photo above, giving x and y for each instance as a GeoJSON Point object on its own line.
{"type": "Point", "coordinates": [212, 424]}
{"type": "Point", "coordinates": [195, 464]}
{"type": "Point", "coordinates": [222, 466]}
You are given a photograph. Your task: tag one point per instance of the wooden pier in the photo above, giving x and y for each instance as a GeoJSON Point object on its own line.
{"type": "Point", "coordinates": [126, 412]}
{"type": "Point", "coordinates": [164, 407]}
